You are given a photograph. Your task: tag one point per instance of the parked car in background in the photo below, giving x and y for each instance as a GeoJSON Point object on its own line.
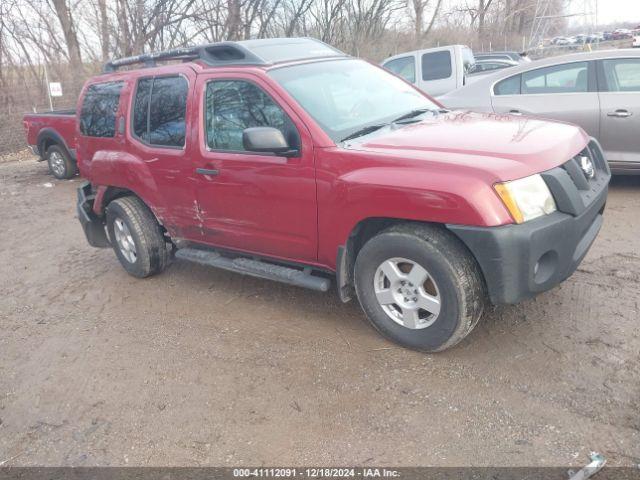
{"type": "Point", "coordinates": [636, 41]}
{"type": "Point", "coordinates": [561, 41]}
{"type": "Point", "coordinates": [51, 136]}
{"type": "Point", "coordinates": [289, 160]}
{"type": "Point", "coordinates": [621, 34]}
{"type": "Point", "coordinates": [600, 91]}
{"type": "Point", "coordinates": [594, 38]}
{"type": "Point", "coordinates": [486, 66]}
{"type": "Point", "coordinates": [435, 71]}
{"type": "Point", "coordinates": [505, 55]}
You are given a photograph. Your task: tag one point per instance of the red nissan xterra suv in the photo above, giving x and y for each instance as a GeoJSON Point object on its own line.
{"type": "Point", "coordinates": [289, 160]}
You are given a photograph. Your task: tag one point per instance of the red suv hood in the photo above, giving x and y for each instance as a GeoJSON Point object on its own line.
{"type": "Point", "coordinates": [506, 146]}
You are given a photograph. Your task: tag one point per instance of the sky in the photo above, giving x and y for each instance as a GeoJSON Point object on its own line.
{"type": "Point", "coordinates": [609, 11]}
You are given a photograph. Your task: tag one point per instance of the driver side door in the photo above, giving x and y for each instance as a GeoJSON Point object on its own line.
{"type": "Point", "coordinates": [252, 201]}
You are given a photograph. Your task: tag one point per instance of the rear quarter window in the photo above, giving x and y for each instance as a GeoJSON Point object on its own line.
{"type": "Point", "coordinates": [99, 107]}
{"type": "Point", "coordinates": [508, 86]}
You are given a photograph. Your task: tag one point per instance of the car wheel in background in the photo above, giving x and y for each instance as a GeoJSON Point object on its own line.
{"type": "Point", "coordinates": [60, 163]}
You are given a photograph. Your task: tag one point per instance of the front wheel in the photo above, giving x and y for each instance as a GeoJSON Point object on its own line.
{"type": "Point", "coordinates": [419, 286]}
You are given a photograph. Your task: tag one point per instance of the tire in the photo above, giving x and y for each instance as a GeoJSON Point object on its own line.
{"type": "Point", "coordinates": [452, 292]}
{"type": "Point", "coordinates": [136, 237]}
{"type": "Point", "coordinates": [60, 163]}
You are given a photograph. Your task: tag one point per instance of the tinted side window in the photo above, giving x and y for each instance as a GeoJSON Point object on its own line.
{"type": "Point", "coordinates": [141, 108]}
{"type": "Point", "coordinates": [403, 67]}
{"type": "Point", "coordinates": [569, 78]}
{"type": "Point", "coordinates": [509, 86]}
{"type": "Point", "coordinates": [159, 111]}
{"type": "Point", "coordinates": [436, 65]}
{"type": "Point", "coordinates": [622, 75]}
{"type": "Point", "coordinates": [233, 105]}
{"type": "Point", "coordinates": [99, 107]}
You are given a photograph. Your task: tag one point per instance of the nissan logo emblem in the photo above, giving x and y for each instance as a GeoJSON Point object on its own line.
{"type": "Point", "coordinates": [587, 167]}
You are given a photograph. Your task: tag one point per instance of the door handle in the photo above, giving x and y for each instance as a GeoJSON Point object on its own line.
{"type": "Point", "coordinates": [515, 112]}
{"type": "Point", "coordinates": [620, 113]}
{"type": "Point", "coordinates": [206, 171]}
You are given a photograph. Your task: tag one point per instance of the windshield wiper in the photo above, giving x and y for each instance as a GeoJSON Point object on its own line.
{"type": "Point", "coordinates": [412, 113]}
{"type": "Point", "coordinates": [364, 131]}
{"type": "Point", "coordinates": [377, 126]}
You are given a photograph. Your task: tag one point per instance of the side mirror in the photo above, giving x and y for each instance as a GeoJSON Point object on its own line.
{"type": "Point", "coordinates": [266, 140]}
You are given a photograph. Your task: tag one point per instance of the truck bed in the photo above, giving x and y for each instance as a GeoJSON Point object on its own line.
{"type": "Point", "coordinates": [51, 127]}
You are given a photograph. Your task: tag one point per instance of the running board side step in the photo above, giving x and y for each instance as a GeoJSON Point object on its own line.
{"type": "Point", "coordinates": [256, 268]}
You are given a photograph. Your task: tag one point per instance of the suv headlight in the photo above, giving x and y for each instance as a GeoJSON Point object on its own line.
{"type": "Point", "coordinates": [526, 198]}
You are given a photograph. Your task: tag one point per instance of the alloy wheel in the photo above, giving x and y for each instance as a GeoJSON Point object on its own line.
{"type": "Point", "coordinates": [407, 293]}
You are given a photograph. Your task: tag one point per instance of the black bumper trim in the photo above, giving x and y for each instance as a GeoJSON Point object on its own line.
{"type": "Point", "coordinates": [92, 225]}
{"type": "Point", "coordinates": [508, 254]}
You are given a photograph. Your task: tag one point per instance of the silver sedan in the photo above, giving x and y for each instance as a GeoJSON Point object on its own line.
{"type": "Point", "coordinates": [600, 91]}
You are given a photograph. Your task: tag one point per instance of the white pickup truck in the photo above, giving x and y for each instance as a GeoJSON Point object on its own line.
{"type": "Point", "coordinates": [435, 71]}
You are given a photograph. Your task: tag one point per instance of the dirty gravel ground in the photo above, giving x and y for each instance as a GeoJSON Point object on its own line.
{"type": "Point", "coordinates": [200, 366]}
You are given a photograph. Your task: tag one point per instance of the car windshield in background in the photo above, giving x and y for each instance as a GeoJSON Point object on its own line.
{"type": "Point", "coordinates": [344, 96]}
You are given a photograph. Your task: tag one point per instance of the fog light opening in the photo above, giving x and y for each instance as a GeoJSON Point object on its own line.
{"type": "Point", "coordinates": [545, 267]}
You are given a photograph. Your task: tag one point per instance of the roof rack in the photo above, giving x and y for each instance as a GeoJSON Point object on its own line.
{"type": "Point", "coordinates": [245, 52]}
{"type": "Point", "coordinates": [214, 54]}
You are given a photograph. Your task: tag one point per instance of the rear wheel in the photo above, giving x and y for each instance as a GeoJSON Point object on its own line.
{"type": "Point", "coordinates": [419, 286]}
{"type": "Point", "coordinates": [136, 237]}
{"type": "Point", "coordinates": [60, 163]}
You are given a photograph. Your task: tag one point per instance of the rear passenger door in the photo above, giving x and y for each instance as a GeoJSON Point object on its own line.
{"type": "Point", "coordinates": [158, 135]}
{"type": "Point", "coordinates": [619, 82]}
{"type": "Point", "coordinates": [437, 72]}
{"type": "Point", "coordinates": [565, 92]}
{"type": "Point", "coordinates": [254, 202]}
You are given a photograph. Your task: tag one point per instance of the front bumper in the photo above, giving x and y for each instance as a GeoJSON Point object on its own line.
{"type": "Point", "coordinates": [520, 261]}
{"type": "Point", "coordinates": [92, 225]}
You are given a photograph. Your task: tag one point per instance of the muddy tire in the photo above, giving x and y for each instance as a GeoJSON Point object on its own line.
{"type": "Point", "coordinates": [419, 286]}
{"type": "Point", "coordinates": [61, 165]}
{"type": "Point", "coordinates": [136, 237]}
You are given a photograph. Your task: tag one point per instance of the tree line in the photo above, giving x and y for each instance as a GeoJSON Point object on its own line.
{"type": "Point", "coordinates": [70, 35]}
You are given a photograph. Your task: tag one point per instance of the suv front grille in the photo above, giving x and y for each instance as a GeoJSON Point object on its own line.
{"type": "Point", "coordinates": [579, 181]}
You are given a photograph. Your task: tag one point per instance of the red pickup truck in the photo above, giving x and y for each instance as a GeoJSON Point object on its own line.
{"type": "Point", "coordinates": [288, 160]}
{"type": "Point", "coordinates": [52, 136]}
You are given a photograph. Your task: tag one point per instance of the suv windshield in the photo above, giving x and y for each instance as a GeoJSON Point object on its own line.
{"type": "Point", "coordinates": [345, 96]}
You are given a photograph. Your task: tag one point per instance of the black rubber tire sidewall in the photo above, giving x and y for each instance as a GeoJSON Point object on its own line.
{"type": "Point", "coordinates": [70, 167]}
{"type": "Point", "coordinates": [151, 252]}
{"type": "Point", "coordinates": [395, 244]}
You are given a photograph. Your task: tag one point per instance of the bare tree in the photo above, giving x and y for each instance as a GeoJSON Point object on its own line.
{"type": "Point", "coordinates": [68, 25]}
{"type": "Point", "coordinates": [420, 7]}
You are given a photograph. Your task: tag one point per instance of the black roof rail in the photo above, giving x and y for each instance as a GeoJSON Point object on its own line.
{"type": "Point", "coordinates": [246, 52]}
{"type": "Point", "coordinates": [222, 53]}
